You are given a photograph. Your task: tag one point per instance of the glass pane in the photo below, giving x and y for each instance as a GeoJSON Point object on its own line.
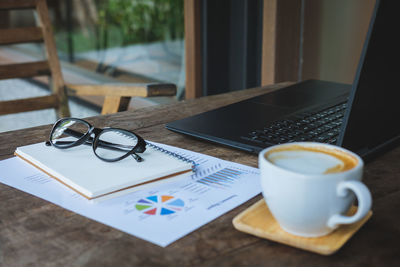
{"type": "Point", "coordinates": [99, 41]}
{"type": "Point", "coordinates": [126, 41]}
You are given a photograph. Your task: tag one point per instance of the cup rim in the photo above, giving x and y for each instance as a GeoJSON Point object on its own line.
{"type": "Point", "coordinates": [356, 168]}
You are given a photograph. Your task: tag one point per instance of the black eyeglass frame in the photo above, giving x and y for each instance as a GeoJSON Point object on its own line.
{"type": "Point", "coordinates": [86, 139]}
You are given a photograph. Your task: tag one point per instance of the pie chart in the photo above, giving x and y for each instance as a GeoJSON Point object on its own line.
{"type": "Point", "coordinates": [159, 205]}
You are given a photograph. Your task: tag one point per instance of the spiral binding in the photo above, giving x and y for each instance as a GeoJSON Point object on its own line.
{"type": "Point", "coordinates": [175, 155]}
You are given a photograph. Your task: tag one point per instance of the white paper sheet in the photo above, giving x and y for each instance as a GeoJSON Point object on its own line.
{"type": "Point", "coordinates": [160, 213]}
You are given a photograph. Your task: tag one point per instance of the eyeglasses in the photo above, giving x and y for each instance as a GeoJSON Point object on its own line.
{"type": "Point", "coordinates": [109, 144]}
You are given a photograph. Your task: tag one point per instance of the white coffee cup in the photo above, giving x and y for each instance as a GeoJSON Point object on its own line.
{"type": "Point", "coordinates": [309, 187]}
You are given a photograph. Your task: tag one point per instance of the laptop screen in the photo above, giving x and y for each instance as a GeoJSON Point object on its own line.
{"type": "Point", "coordinates": [374, 105]}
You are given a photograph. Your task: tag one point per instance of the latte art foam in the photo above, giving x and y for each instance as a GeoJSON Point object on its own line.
{"type": "Point", "coordinates": [311, 160]}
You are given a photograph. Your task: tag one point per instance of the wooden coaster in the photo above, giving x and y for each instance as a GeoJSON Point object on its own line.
{"type": "Point", "coordinates": [258, 220]}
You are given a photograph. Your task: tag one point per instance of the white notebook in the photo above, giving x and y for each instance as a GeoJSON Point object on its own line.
{"type": "Point", "coordinates": [80, 169]}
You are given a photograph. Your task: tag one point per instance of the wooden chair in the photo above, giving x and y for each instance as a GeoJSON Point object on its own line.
{"type": "Point", "coordinates": [117, 96]}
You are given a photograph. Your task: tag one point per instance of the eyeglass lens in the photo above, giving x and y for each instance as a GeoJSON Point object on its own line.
{"type": "Point", "coordinates": [70, 130]}
{"type": "Point", "coordinates": [115, 143]}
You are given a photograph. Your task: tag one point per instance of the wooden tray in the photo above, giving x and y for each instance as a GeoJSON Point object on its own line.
{"type": "Point", "coordinates": [258, 220]}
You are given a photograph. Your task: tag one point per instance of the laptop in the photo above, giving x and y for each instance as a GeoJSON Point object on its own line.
{"type": "Point", "coordinates": [363, 117]}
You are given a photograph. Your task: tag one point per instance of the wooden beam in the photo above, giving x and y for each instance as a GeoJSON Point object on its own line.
{"type": "Point", "coordinates": [113, 104]}
{"type": "Point", "coordinates": [193, 60]}
{"type": "Point", "coordinates": [20, 35]}
{"type": "Point", "coordinates": [142, 90]}
{"type": "Point", "coordinates": [281, 41]}
{"type": "Point", "coordinates": [51, 50]}
{"type": "Point", "coordinates": [52, 57]}
{"type": "Point", "coordinates": [17, 4]}
{"type": "Point", "coordinates": [23, 70]}
{"type": "Point", "coordinates": [269, 42]}
{"type": "Point", "coordinates": [28, 104]}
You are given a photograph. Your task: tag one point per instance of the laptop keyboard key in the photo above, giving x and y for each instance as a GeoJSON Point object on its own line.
{"type": "Point", "coordinates": [322, 126]}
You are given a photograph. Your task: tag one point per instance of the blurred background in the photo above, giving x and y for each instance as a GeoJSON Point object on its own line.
{"type": "Point", "coordinates": [205, 47]}
{"type": "Point", "coordinates": [100, 41]}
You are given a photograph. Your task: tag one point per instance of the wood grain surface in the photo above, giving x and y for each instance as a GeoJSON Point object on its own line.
{"type": "Point", "coordinates": [20, 35]}
{"type": "Point", "coordinates": [258, 220]}
{"type": "Point", "coordinates": [23, 70]}
{"type": "Point", "coordinates": [37, 233]}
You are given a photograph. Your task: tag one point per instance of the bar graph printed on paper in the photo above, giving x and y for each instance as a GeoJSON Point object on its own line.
{"type": "Point", "coordinates": [222, 178]}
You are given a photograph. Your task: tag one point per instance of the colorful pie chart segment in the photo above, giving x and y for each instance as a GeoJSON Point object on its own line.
{"type": "Point", "coordinates": [151, 212]}
{"type": "Point", "coordinates": [166, 198]}
{"type": "Point", "coordinates": [159, 204]}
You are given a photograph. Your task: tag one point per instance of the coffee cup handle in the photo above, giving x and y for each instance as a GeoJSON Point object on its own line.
{"type": "Point", "coordinates": [364, 203]}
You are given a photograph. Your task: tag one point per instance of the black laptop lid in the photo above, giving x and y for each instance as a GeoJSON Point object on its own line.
{"type": "Point", "coordinates": [373, 116]}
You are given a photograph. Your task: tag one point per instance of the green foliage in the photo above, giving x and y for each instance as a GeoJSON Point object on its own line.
{"type": "Point", "coordinates": [83, 42]}
{"type": "Point", "coordinates": [140, 21]}
{"type": "Point", "coordinates": [124, 22]}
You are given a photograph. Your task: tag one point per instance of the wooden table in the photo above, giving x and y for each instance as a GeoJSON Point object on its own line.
{"type": "Point", "coordinates": [33, 231]}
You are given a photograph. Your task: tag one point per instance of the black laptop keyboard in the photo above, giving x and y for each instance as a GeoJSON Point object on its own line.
{"type": "Point", "coordinates": [322, 126]}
